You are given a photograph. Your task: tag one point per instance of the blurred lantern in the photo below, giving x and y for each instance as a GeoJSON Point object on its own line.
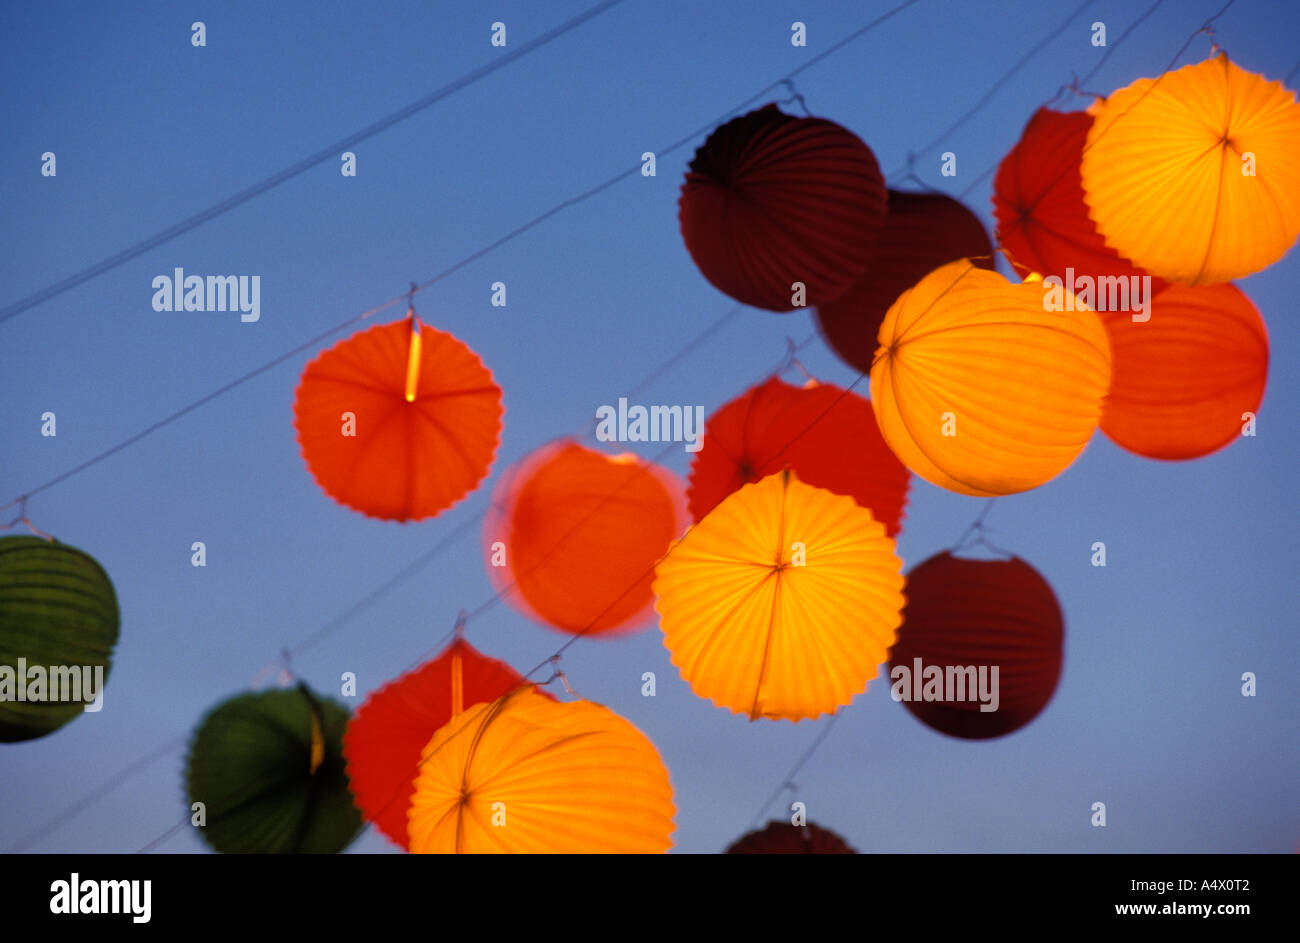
{"type": "Point", "coordinates": [268, 768]}
{"type": "Point", "coordinates": [58, 626]}
{"type": "Point", "coordinates": [527, 774]}
{"type": "Point", "coordinates": [922, 232]}
{"type": "Point", "coordinates": [1043, 221]}
{"type": "Point", "coordinates": [782, 602]}
{"type": "Point", "coordinates": [827, 435]}
{"type": "Point", "coordinates": [979, 389]}
{"type": "Point", "coordinates": [782, 838]}
{"type": "Point", "coordinates": [771, 199]}
{"type": "Point", "coordinates": [966, 619]}
{"type": "Point", "coordinates": [398, 422]}
{"type": "Point", "coordinates": [383, 742]}
{"type": "Point", "coordinates": [1183, 380]}
{"type": "Point", "coordinates": [573, 535]}
{"type": "Point", "coordinates": [1195, 175]}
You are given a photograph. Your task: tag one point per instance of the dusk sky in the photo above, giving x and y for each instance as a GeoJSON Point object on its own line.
{"type": "Point", "coordinates": [1201, 578]}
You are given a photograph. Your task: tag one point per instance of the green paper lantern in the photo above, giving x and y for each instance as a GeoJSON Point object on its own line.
{"type": "Point", "coordinates": [268, 768]}
{"type": "Point", "coordinates": [58, 625]}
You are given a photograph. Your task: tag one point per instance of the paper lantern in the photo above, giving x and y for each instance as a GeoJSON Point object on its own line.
{"type": "Point", "coordinates": [979, 389]}
{"type": "Point", "coordinates": [384, 740]}
{"type": "Point", "coordinates": [1183, 380]}
{"type": "Point", "coordinates": [1195, 175]}
{"type": "Point", "coordinates": [1043, 221]}
{"type": "Point", "coordinates": [782, 602]}
{"type": "Point", "coordinates": [58, 626]}
{"type": "Point", "coordinates": [922, 232]}
{"type": "Point", "coordinates": [268, 768]}
{"type": "Point", "coordinates": [526, 774]}
{"type": "Point", "coordinates": [827, 435]}
{"type": "Point", "coordinates": [398, 422]}
{"type": "Point", "coordinates": [573, 536]}
{"type": "Point", "coordinates": [782, 838]}
{"type": "Point", "coordinates": [965, 617]}
{"type": "Point", "coordinates": [771, 199]}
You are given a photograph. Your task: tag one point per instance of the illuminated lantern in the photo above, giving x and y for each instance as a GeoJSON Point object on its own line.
{"type": "Point", "coordinates": [58, 626]}
{"type": "Point", "coordinates": [782, 838]}
{"type": "Point", "coordinates": [384, 740]}
{"type": "Point", "coordinates": [965, 617]}
{"type": "Point", "coordinates": [1195, 176]}
{"type": "Point", "coordinates": [981, 390]}
{"type": "Point", "coordinates": [782, 602]}
{"type": "Point", "coordinates": [527, 774]}
{"type": "Point", "coordinates": [268, 768]}
{"type": "Point", "coordinates": [771, 199]}
{"type": "Point", "coordinates": [922, 232]}
{"type": "Point", "coordinates": [1043, 221]}
{"type": "Point", "coordinates": [827, 435]}
{"type": "Point", "coordinates": [398, 422]}
{"type": "Point", "coordinates": [1183, 379]}
{"type": "Point", "coordinates": [573, 536]}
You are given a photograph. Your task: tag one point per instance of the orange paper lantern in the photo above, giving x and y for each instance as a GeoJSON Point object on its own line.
{"type": "Point", "coordinates": [981, 390]}
{"type": "Point", "coordinates": [398, 422]}
{"type": "Point", "coordinates": [782, 602]}
{"type": "Point", "coordinates": [1195, 175]}
{"type": "Point", "coordinates": [1185, 379]}
{"type": "Point", "coordinates": [573, 536]}
{"type": "Point", "coordinates": [526, 774]}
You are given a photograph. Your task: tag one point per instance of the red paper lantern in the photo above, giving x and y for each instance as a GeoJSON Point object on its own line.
{"type": "Point", "coordinates": [782, 838]}
{"type": "Point", "coordinates": [922, 232]}
{"type": "Point", "coordinates": [772, 199]}
{"type": "Point", "coordinates": [384, 740]}
{"type": "Point", "coordinates": [398, 422]}
{"type": "Point", "coordinates": [1182, 381]}
{"type": "Point", "coordinates": [827, 435]}
{"type": "Point", "coordinates": [977, 614]}
{"type": "Point", "coordinates": [1043, 221]}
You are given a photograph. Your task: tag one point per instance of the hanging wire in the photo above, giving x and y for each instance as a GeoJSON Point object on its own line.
{"type": "Point", "coordinates": [383, 124]}
{"type": "Point", "coordinates": [788, 783]}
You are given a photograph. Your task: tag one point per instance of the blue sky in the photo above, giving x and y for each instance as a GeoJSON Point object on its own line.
{"type": "Point", "coordinates": [1201, 581]}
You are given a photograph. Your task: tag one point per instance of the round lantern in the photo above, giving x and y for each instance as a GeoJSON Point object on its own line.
{"type": "Point", "coordinates": [782, 602]}
{"type": "Point", "coordinates": [979, 651]}
{"type": "Point", "coordinates": [771, 199]}
{"type": "Point", "coordinates": [826, 434]}
{"type": "Point", "coordinates": [268, 768]}
{"type": "Point", "coordinates": [573, 536]}
{"type": "Point", "coordinates": [988, 388]}
{"type": "Point", "coordinates": [398, 422]}
{"type": "Point", "coordinates": [1195, 175]}
{"type": "Point", "coordinates": [58, 626]}
{"type": "Point", "coordinates": [527, 774]}
{"type": "Point", "coordinates": [384, 740]}
{"type": "Point", "coordinates": [922, 232]}
{"type": "Point", "coordinates": [782, 838]}
{"type": "Point", "coordinates": [1043, 221]}
{"type": "Point", "coordinates": [1185, 379]}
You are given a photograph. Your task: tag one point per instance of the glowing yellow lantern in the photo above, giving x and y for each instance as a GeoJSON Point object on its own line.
{"type": "Point", "coordinates": [1195, 175]}
{"type": "Point", "coordinates": [988, 388]}
{"type": "Point", "coordinates": [782, 602]}
{"type": "Point", "coordinates": [526, 774]}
